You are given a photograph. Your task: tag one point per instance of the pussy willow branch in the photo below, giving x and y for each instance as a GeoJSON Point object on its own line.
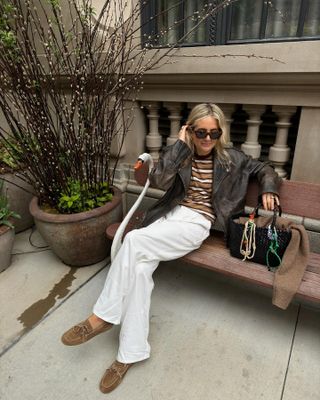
{"type": "Point", "coordinates": [65, 90]}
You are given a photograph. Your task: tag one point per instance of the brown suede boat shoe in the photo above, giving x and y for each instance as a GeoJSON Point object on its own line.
{"type": "Point", "coordinates": [113, 376]}
{"type": "Point", "coordinates": [83, 332]}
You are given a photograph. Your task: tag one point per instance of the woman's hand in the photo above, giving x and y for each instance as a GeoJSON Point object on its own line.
{"type": "Point", "coordinates": [269, 200]}
{"type": "Point", "coordinates": [183, 133]}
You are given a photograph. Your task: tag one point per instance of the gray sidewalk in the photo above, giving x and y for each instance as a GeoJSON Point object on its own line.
{"type": "Point", "coordinates": [209, 339]}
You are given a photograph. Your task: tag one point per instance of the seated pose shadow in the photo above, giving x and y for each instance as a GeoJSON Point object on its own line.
{"type": "Point", "coordinates": [204, 181]}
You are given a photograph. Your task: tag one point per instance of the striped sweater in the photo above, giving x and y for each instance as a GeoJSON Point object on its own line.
{"type": "Point", "coordinates": [199, 195]}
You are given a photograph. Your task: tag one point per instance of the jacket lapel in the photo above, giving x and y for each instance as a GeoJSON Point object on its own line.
{"type": "Point", "coordinates": [219, 173]}
{"type": "Point", "coordinates": [185, 175]}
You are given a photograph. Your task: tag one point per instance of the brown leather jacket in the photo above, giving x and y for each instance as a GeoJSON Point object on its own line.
{"type": "Point", "coordinates": [173, 172]}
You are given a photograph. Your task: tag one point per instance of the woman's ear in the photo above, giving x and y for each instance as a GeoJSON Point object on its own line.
{"type": "Point", "coordinates": [189, 130]}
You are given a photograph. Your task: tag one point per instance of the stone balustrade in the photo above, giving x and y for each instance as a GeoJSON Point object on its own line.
{"type": "Point", "coordinates": [279, 151]}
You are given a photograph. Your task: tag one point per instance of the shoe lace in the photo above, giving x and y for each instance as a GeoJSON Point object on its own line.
{"type": "Point", "coordinates": [118, 369]}
{"type": "Point", "coordinates": [82, 330]}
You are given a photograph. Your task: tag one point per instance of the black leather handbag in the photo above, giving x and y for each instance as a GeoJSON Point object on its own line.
{"type": "Point", "coordinates": [263, 245]}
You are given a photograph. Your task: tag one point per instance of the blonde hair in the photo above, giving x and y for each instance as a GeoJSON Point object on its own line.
{"type": "Point", "coordinates": [204, 110]}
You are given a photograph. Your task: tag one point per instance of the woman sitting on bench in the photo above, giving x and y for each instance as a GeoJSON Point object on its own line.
{"type": "Point", "coordinates": [204, 181]}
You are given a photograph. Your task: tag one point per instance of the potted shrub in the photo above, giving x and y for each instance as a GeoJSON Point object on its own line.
{"type": "Point", "coordinates": [6, 230]}
{"type": "Point", "coordinates": [18, 192]}
{"type": "Point", "coordinates": [69, 75]}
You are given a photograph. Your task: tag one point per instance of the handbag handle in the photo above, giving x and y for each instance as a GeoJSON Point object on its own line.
{"type": "Point", "coordinates": [277, 210]}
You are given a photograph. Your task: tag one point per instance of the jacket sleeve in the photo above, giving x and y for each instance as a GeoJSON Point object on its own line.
{"type": "Point", "coordinates": [269, 180]}
{"type": "Point", "coordinates": [172, 157]}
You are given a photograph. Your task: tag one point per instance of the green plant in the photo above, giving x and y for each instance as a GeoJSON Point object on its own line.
{"type": "Point", "coordinates": [9, 154]}
{"type": "Point", "coordinates": [81, 197]}
{"type": "Point", "coordinates": [5, 213]}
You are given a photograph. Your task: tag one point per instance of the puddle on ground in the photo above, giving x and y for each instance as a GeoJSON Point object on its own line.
{"type": "Point", "coordinates": [38, 310]}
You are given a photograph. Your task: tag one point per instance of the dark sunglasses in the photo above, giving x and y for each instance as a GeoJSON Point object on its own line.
{"type": "Point", "coordinates": [203, 133]}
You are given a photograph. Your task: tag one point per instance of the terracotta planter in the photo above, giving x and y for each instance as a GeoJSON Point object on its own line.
{"type": "Point", "coordinates": [19, 201]}
{"type": "Point", "coordinates": [6, 244]}
{"type": "Point", "coordinates": [78, 239]}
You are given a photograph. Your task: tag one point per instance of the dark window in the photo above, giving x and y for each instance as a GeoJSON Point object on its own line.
{"type": "Point", "coordinates": [167, 21]}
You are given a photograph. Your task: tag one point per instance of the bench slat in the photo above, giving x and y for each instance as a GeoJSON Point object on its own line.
{"type": "Point", "coordinates": [314, 263]}
{"type": "Point", "coordinates": [215, 256]}
{"type": "Point", "coordinates": [134, 221]}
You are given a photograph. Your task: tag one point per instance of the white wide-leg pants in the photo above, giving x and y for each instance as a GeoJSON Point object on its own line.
{"type": "Point", "coordinates": [126, 295]}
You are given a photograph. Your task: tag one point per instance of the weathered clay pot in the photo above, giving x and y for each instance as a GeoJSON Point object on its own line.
{"type": "Point", "coordinates": [6, 244]}
{"type": "Point", "coordinates": [19, 201]}
{"type": "Point", "coordinates": [78, 239]}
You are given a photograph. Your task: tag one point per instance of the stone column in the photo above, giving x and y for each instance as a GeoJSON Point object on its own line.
{"type": "Point", "coordinates": [251, 146]}
{"type": "Point", "coordinates": [306, 165]}
{"type": "Point", "coordinates": [153, 139]}
{"type": "Point", "coordinates": [279, 153]}
{"type": "Point", "coordinates": [136, 136]}
{"type": "Point", "coordinates": [175, 118]}
{"type": "Point", "coordinates": [133, 146]}
{"type": "Point", "coordinates": [118, 145]}
{"type": "Point", "coordinates": [228, 110]}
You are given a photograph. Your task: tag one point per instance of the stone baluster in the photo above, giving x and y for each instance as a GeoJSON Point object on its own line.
{"type": "Point", "coordinates": [153, 139]}
{"type": "Point", "coordinates": [228, 110]}
{"type": "Point", "coordinates": [175, 118]}
{"type": "Point", "coordinates": [251, 146]}
{"type": "Point", "coordinates": [279, 153]}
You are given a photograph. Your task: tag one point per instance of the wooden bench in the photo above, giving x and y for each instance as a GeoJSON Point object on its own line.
{"type": "Point", "coordinates": [297, 199]}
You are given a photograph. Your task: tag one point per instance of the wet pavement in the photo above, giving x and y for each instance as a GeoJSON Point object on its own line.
{"type": "Point", "coordinates": [34, 285]}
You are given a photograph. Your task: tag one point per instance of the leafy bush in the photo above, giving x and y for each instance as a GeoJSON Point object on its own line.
{"type": "Point", "coordinates": [5, 213]}
{"type": "Point", "coordinates": [80, 197]}
{"type": "Point", "coordinates": [9, 153]}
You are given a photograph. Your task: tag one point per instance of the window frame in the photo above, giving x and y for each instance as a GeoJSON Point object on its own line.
{"type": "Point", "coordinates": [219, 27]}
{"type": "Point", "coordinates": [263, 25]}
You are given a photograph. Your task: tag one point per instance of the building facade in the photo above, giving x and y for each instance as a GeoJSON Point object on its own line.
{"type": "Point", "coordinates": [259, 62]}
